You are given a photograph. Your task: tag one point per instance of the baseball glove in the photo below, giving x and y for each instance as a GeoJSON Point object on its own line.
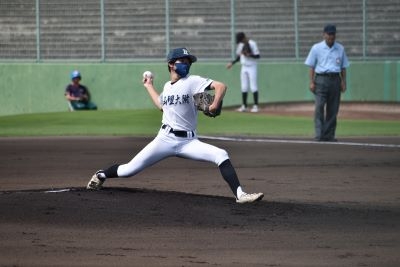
{"type": "Point", "coordinates": [203, 100]}
{"type": "Point", "coordinates": [246, 49]}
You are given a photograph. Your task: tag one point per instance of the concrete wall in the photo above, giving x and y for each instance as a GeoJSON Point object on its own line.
{"type": "Point", "coordinates": [39, 87]}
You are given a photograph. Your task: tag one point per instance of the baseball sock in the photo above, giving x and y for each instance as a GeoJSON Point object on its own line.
{"type": "Point", "coordinates": [244, 99]}
{"type": "Point", "coordinates": [230, 176]}
{"type": "Point", "coordinates": [110, 172]}
{"type": "Point", "coordinates": [255, 95]}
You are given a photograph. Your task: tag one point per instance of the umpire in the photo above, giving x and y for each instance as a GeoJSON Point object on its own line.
{"type": "Point", "coordinates": [328, 62]}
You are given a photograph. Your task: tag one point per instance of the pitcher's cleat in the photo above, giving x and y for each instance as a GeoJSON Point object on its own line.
{"type": "Point", "coordinates": [95, 182]}
{"type": "Point", "coordinates": [249, 198]}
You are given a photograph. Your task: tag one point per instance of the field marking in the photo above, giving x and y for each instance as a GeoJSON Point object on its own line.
{"type": "Point", "coordinates": [288, 141]}
{"type": "Point", "coordinates": [46, 191]}
{"type": "Point", "coordinates": [58, 190]}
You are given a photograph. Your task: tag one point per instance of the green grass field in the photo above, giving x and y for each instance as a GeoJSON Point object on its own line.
{"type": "Point", "coordinates": [147, 122]}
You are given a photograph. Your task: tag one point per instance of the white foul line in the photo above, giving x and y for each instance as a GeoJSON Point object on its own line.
{"type": "Point", "coordinates": [288, 141]}
{"type": "Point", "coordinates": [58, 190]}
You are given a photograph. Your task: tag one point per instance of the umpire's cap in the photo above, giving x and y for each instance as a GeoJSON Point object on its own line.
{"type": "Point", "coordinates": [181, 52]}
{"type": "Point", "coordinates": [330, 28]}
{"type": "Point", "coordinates": [75, 74]}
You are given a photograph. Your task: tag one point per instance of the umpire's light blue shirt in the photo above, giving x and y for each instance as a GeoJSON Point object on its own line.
{"type": "Point", "coordinates": [325, 59]}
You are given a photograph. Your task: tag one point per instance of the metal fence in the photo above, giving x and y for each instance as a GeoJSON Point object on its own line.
{"type": "Point", "coordinates": [126, 30]}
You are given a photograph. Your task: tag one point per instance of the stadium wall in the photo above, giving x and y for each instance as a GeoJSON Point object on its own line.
{"type": "Point", "coordinates": [39, 87]}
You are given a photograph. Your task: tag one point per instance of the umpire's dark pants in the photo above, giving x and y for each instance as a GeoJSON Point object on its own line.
{"type": "Point", "coordinates": [327, 100]}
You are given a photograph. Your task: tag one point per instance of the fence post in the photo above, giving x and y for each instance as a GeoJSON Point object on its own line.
{"type": "Point", "coordinates": [364, 29]}
{"type": "Point", "coordinates": [103, 44]}
{"type": "Point", "coordinates": [167, 44]}
{"type": "Point", "coordinates": [233, 40]}
{"type": "Point", "coordinates": [38, 56]}
{"type": "Point", "coordinates": [296, 28]}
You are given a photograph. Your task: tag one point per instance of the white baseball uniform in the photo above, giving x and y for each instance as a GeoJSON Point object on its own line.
{"type": "Point", "coordinates": [177, 136]}
{"type": "Point", "coordinates": [248, 73]}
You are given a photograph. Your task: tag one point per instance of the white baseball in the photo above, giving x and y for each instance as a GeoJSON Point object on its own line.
{"type": "Point", "coordinates": [147, 74]}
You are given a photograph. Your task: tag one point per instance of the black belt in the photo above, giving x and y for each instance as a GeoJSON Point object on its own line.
{"type": "Point", "coordinates": [329, 74]}
{"type": "Point", "coordinates": [178, 133]}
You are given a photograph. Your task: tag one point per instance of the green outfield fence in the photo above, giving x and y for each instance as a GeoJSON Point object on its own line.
{"type": "Point", "coordinates": [137, 30]}
{"type": "Point", "coordinates": [36, 88]}
{"type": "Point", "coordinates": [113, 41]}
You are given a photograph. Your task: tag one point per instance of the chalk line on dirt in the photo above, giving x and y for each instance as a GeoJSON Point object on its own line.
{"type": "Point", "coordinates": [288, 141]}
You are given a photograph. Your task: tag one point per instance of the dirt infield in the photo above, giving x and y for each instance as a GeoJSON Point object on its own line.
{"type": "Point", "coordinates": [325, 205]}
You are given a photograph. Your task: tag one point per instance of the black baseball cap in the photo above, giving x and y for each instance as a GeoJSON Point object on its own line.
{"type": "Point", "coordinates": [181, 52]}
{"type": "Point", "coordinates": [240, 37]}
{"type": "Point", "coordinates": [330, 28]}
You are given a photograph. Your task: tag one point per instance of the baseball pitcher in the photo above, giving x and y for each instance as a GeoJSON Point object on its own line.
{"type": "Point", "coordinates": [177, 135]}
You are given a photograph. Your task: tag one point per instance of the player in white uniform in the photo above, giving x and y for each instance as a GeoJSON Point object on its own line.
{"type": "Point", "coordinates": [248, 54]}
{"type": "Point", "coordinates": [177, 135]}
